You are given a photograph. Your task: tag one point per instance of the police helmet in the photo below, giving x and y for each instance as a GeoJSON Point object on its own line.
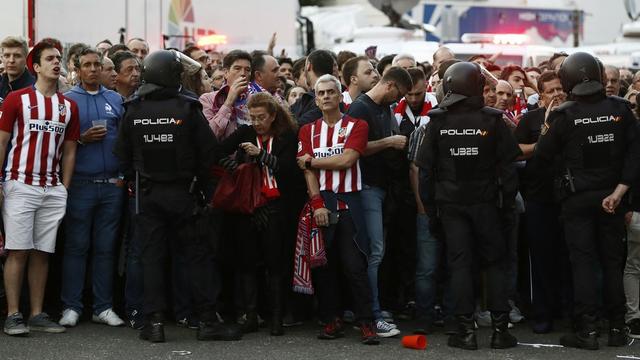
{"type": "Point", "coordinates": [162, 68]}
{"type": "Point", "coordinates": [461, 80]}
{"type": "Point", "coordinates": [580, 75]}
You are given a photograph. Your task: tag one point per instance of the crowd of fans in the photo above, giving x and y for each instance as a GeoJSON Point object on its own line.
{"type": "Point", "coordinates": [402, 270]}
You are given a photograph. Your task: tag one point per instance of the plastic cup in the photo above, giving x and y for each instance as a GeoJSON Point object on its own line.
{"type": "Point", "coordinates": [99, 122]}
{"type": "Point", "coordinates": [418, 342]}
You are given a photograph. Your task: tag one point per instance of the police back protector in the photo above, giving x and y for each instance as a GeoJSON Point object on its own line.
{"type": "Point", "coordinates": [466, 155]}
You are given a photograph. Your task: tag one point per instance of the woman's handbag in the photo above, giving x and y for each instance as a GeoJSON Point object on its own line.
{"type": "Point", "coordinates": [240, 192]}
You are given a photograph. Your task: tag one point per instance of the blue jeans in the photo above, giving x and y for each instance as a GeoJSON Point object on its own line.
{"type": "Point", "coordinates": [372, 200]}
{"type": "Point", "coordinates": [428, 257]}
{"type": "Point", "coordinates": [92, 221]}
{"type": "Point", "coordinates": [133, 290]}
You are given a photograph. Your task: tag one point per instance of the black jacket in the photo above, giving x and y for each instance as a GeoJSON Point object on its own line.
{"type": "Point", "coordinates": [598, 140]}
{"type": "Point", "coordinates": [281, 160]}
{"type": "Point", "coordinates": [305, 109]}
{"type": "Point", "coordinates": [165, 137]}
{"type": "Point", "coordinates": [466, 149]}
{"type": "Point", "coordinates": [26, 79]}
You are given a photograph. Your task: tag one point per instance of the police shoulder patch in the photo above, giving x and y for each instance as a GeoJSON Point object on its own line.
{"type": "Point", "coordinates": [436, 112]}
{"type": "Point", "coordinates": [492, 111]}
{"type": "Point", "coordinates": [621, 101]}
{"type": "Point", "coordinates": [565, 106]}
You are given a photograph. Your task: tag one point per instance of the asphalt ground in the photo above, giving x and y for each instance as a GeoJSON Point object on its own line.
{"type": "Point", "coordinates": [94, 341]}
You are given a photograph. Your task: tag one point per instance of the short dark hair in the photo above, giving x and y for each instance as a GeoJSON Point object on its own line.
{"type": "Point", "coordinates": [120, 57]}
{"type": "Point", "coordinates": [189, 49]}
{"type": "Point", "coordinates": [115, 48]}
{"type": "Point", "coordinates": [557, 55]}
{"type": "Point", "coordinates": [74, 50]}
{"type": "Point", "coordinates": [400, 76]}
{"type": "Point", "coordinates": [350, 68]}
{"type": "Point", "coordinates": [384, 62]}
{"type": "Point", "coordinates": [343, 57]}
{"type": "Point", "coordinates": [86, 51]}
{"type": "Point", "coordinates": [234, 56]}
{"type": "Point", "coordinates": [509, 69]}
{"type": "Point", "coordinates": [321, 61]}
{"type": "Point", "coordinates": [298, 67]}
{"type": "Point", "coordinates": [257, 62]}
{"type": "Point", "coordinates": [427, 68]}
{"type": "Point", "coordinates": [545, 77]}
{"type": "Point", "coordinates": [285, 60]}
{"type": "Point", "coordinates": [44, 45]}
{"type": "Point", "coordinates": [417, 75]}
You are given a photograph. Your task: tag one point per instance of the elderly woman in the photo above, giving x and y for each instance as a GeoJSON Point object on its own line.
{"type": "Point", "coordinates": [271, 142]}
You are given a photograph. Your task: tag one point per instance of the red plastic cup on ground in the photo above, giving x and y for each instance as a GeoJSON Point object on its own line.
{"type": "Point", "coordinates": [418, 342]}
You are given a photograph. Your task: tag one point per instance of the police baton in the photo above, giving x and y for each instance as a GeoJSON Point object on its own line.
{"type": "Point", "coordinates": [137, 190]}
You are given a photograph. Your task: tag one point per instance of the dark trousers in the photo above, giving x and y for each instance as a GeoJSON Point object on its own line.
{"type": "Point", "coordinates": [166, 210]}
{"type": "Point", "coordinates": [397, 271]}
{"type": "Point", "coordinates": [595, 236]}
{"type": "Point", "coordinates": [548, 257]}
{"type": "Point", "coordinates": [342, 253]}
{"type": "Point", "coordinates": [475, 230]}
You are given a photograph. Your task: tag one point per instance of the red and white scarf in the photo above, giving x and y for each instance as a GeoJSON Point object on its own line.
{"type": "Point", "coordinates": [310, 251]}
{"type": "Point", "coordinates": [403, 109]}
{"type": "Point", "coordinates": [269, 184]}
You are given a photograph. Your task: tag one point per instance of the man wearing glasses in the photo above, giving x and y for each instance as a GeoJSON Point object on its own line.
{"type": "Point", "coordinates": [200, 56]}
{"type": "Point", "coordinates": [374, 107]}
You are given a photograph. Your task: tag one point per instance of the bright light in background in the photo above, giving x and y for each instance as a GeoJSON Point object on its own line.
{"type": "Point", "coordinates": [498, 39]}
{"type": "Point", "coordinates": [215, 39]}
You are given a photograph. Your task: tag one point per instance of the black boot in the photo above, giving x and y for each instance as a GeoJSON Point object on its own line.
{"type": "Point", "coordinates": [214, 330]}
{"type": "Point", "coordinates": [585, 335]}
{"type": "Point", "coordinates": [275, 292]}
{"type": "Point", "coordinates": [501, 338]}
{"type": "Point", "coordinates": [465, 338]}
{"type": "Point", "coordinates": [153, 329]}
{"type": "Point", "coordinates": [250, 290]}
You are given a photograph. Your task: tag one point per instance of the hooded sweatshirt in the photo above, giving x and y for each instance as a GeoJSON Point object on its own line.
{"type": "Point", "coordinates": [96, 160]}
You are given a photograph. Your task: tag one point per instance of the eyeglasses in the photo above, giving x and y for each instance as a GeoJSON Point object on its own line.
{"type": "Point", "coordinates": [259, 119]}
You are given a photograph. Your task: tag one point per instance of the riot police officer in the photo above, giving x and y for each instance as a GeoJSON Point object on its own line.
{"type": "Point", "coordinates": [596, 140]}
{"type": "Point", "coordinates": [165, 144]}
{"type": "Point", "coordinates": [465, 146]}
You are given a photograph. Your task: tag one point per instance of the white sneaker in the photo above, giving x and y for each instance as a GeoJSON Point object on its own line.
{"type": "Point", "coordinates": [385, 330]}
{"type": "Point", "coordinates": [69, 318]}
{"type": "Point", "coordinates": [483, 318]}
{"type": "Point", "coordinates": [515, 316]}
{"type": "Point", "coordinates": [108, 317]}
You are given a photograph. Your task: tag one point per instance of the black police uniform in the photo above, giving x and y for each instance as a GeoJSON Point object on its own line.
{"type": "Point", "coordinates": [597, 139]}
{"type": "Point", "coordinates": [165, 141]}
{"type": "Point", "coordinates": [464, 150]}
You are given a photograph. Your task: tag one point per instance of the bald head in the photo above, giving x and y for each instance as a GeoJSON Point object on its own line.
{"type": "Point", "coordinates": [442, 54]}
{"type": "Point", "coordinates": [504, 95]}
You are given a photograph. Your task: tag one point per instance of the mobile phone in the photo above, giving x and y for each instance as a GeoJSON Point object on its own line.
{"type": "Point", "coordinates": [333, 218]}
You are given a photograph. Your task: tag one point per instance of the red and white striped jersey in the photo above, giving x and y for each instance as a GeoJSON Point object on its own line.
{"type": "Point", "coordinates": [320, 141]}
{"type": "Point", "coordinates": [39, 125]}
